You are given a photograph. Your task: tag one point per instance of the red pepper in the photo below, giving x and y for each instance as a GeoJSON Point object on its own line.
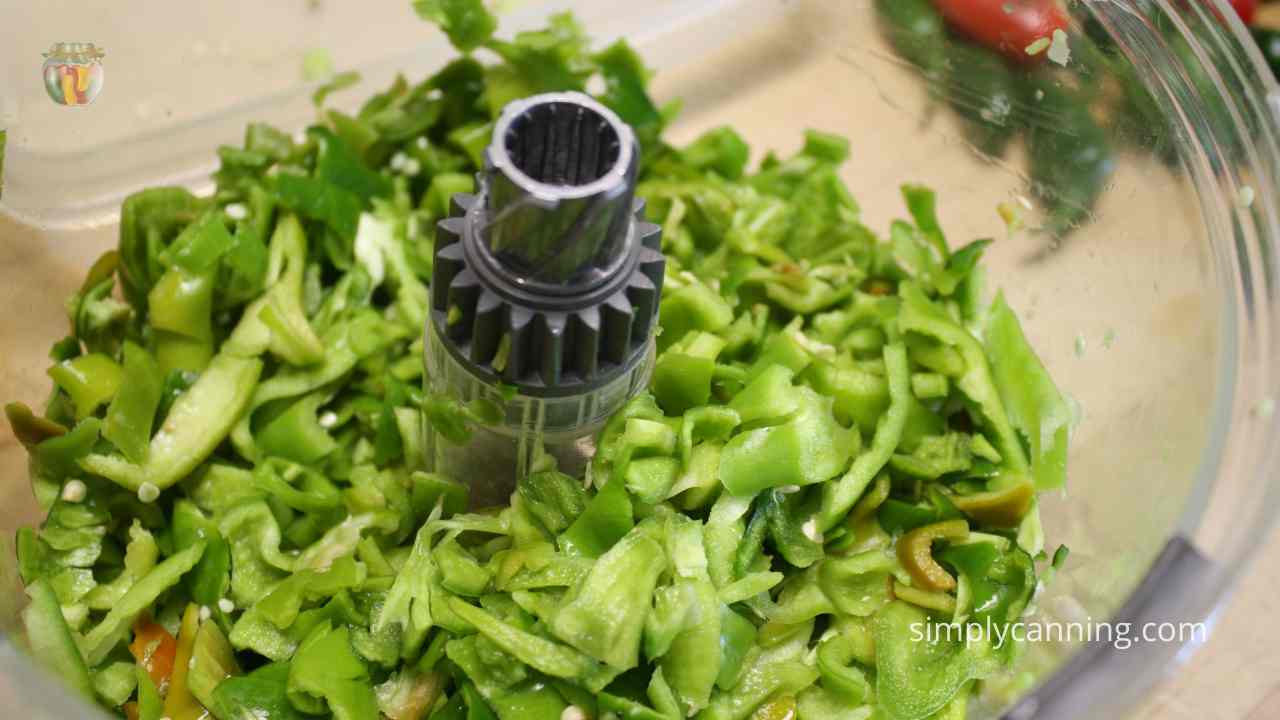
{"type": "Point", "coordinates": [1007, 26]}
{"type": "Point", "coordinates": [154, 649]}
{"type": "Point", "coordinates": [1246, 9]}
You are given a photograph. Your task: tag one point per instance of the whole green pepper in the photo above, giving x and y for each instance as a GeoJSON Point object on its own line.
{"type": "Point", "coordinates": [917, 31]}
{"type": "Point", "coordinates": [984, 90]}
{"type": "Point", "coordinates": [1071, 158]}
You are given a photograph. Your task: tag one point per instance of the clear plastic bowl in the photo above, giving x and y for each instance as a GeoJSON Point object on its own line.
{"type": "Point", "coordinates": [1158, 315]}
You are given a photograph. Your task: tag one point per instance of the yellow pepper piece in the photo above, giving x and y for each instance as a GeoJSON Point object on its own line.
{"type": "Point", "coordinates": [941, 602]}
{"type": "Point", "coordinates": [779, 708]}
{"type": "Point", "coordinates": [999, 508]}
{"type": "Point", "coordinates": [82, 77]}
{"type": "Point", "coordinates": [68, 89]}
{"type": "Point", "coordinates": [180, 704]}
{"type": "Point", "coordinates": [915, 551]}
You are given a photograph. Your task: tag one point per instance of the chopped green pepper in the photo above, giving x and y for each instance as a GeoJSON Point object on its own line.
{"type": "Point", "coordinates": [840, 496]}
{"type": "Point", "coordinates": [90, 380]}
{"type": "Point", "coordinates": [51, 640]}
{"type": "Point", "coordinates": [198, 421]}
{"type": "Point", "coordinates": [132, 412]}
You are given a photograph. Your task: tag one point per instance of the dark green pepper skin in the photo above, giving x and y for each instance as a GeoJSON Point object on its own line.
{"type": "Point", "coordinates": [916, 29]}
{"type": "Point", "coordinates": [984, 90]}
{"type": "Point", "coordinates": [1071, 158]}
{"type": "Point", "coordinates": [1268, 40]}
{"type": "Point", "coordinates": [1216, 113]}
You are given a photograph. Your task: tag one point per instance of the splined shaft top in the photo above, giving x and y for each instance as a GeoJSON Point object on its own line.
{"type": "Point", "coordinates": [560, 180]}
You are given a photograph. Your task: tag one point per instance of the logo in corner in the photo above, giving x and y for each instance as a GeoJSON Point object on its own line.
{"type": "Point", "coordinates": [73, 73]}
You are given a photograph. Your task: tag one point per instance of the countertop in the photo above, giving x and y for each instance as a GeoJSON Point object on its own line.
{"type": "Point", "coordinates": [1236, 674]}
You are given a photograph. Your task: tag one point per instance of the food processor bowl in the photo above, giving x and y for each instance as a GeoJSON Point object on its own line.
{"type": "Point", "coordinates": [1150, 294]}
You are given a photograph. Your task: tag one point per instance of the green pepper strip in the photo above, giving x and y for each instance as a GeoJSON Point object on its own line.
{"type": "Point", "coordinates": [197, 423]}
{"type": "Point", "coordinates": [737, 635]}
{"type": "Point", "coordinates": [606, 519]}
{"type": "Point", "coordinates": [296, 433]}
{"type": "Point", "coordinates": [51, 641]}
{"type": "Point", "coordinates": [132, 411]}
{"type": "Point", "coordinates": [606, 617]}
{"type": "Point", "coordinates": [840, 496]}
{"type": "Point", "coordinates": [29, 428]}
{"type": "Point", "coordinates": [90, 380]}
{"type": "Point", "coordinates": [276, 321]}
{"type": "Point", "coordinates": [938, 601]}
{"type": "Point", "coordinates": [181, 314]}
{"type": "Point", "coordinates": [341, 355]}
{"type": "Point", "coordinates": [106, 634]}
{"type": "Point", "coordinates": [209, 580]}
{"type": "Point", "coordinates": [776, 671]}
{"type": "Point", "coordinates": [835, 658]}
{"type": "Point", "coordinates": [150, 705]}
{"type": "Point", "coordinates": [922, 316]}
{"type": "Point", "coordinates": [545, 656]}
{"type": "Point", "coordinates": [871, 501]}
